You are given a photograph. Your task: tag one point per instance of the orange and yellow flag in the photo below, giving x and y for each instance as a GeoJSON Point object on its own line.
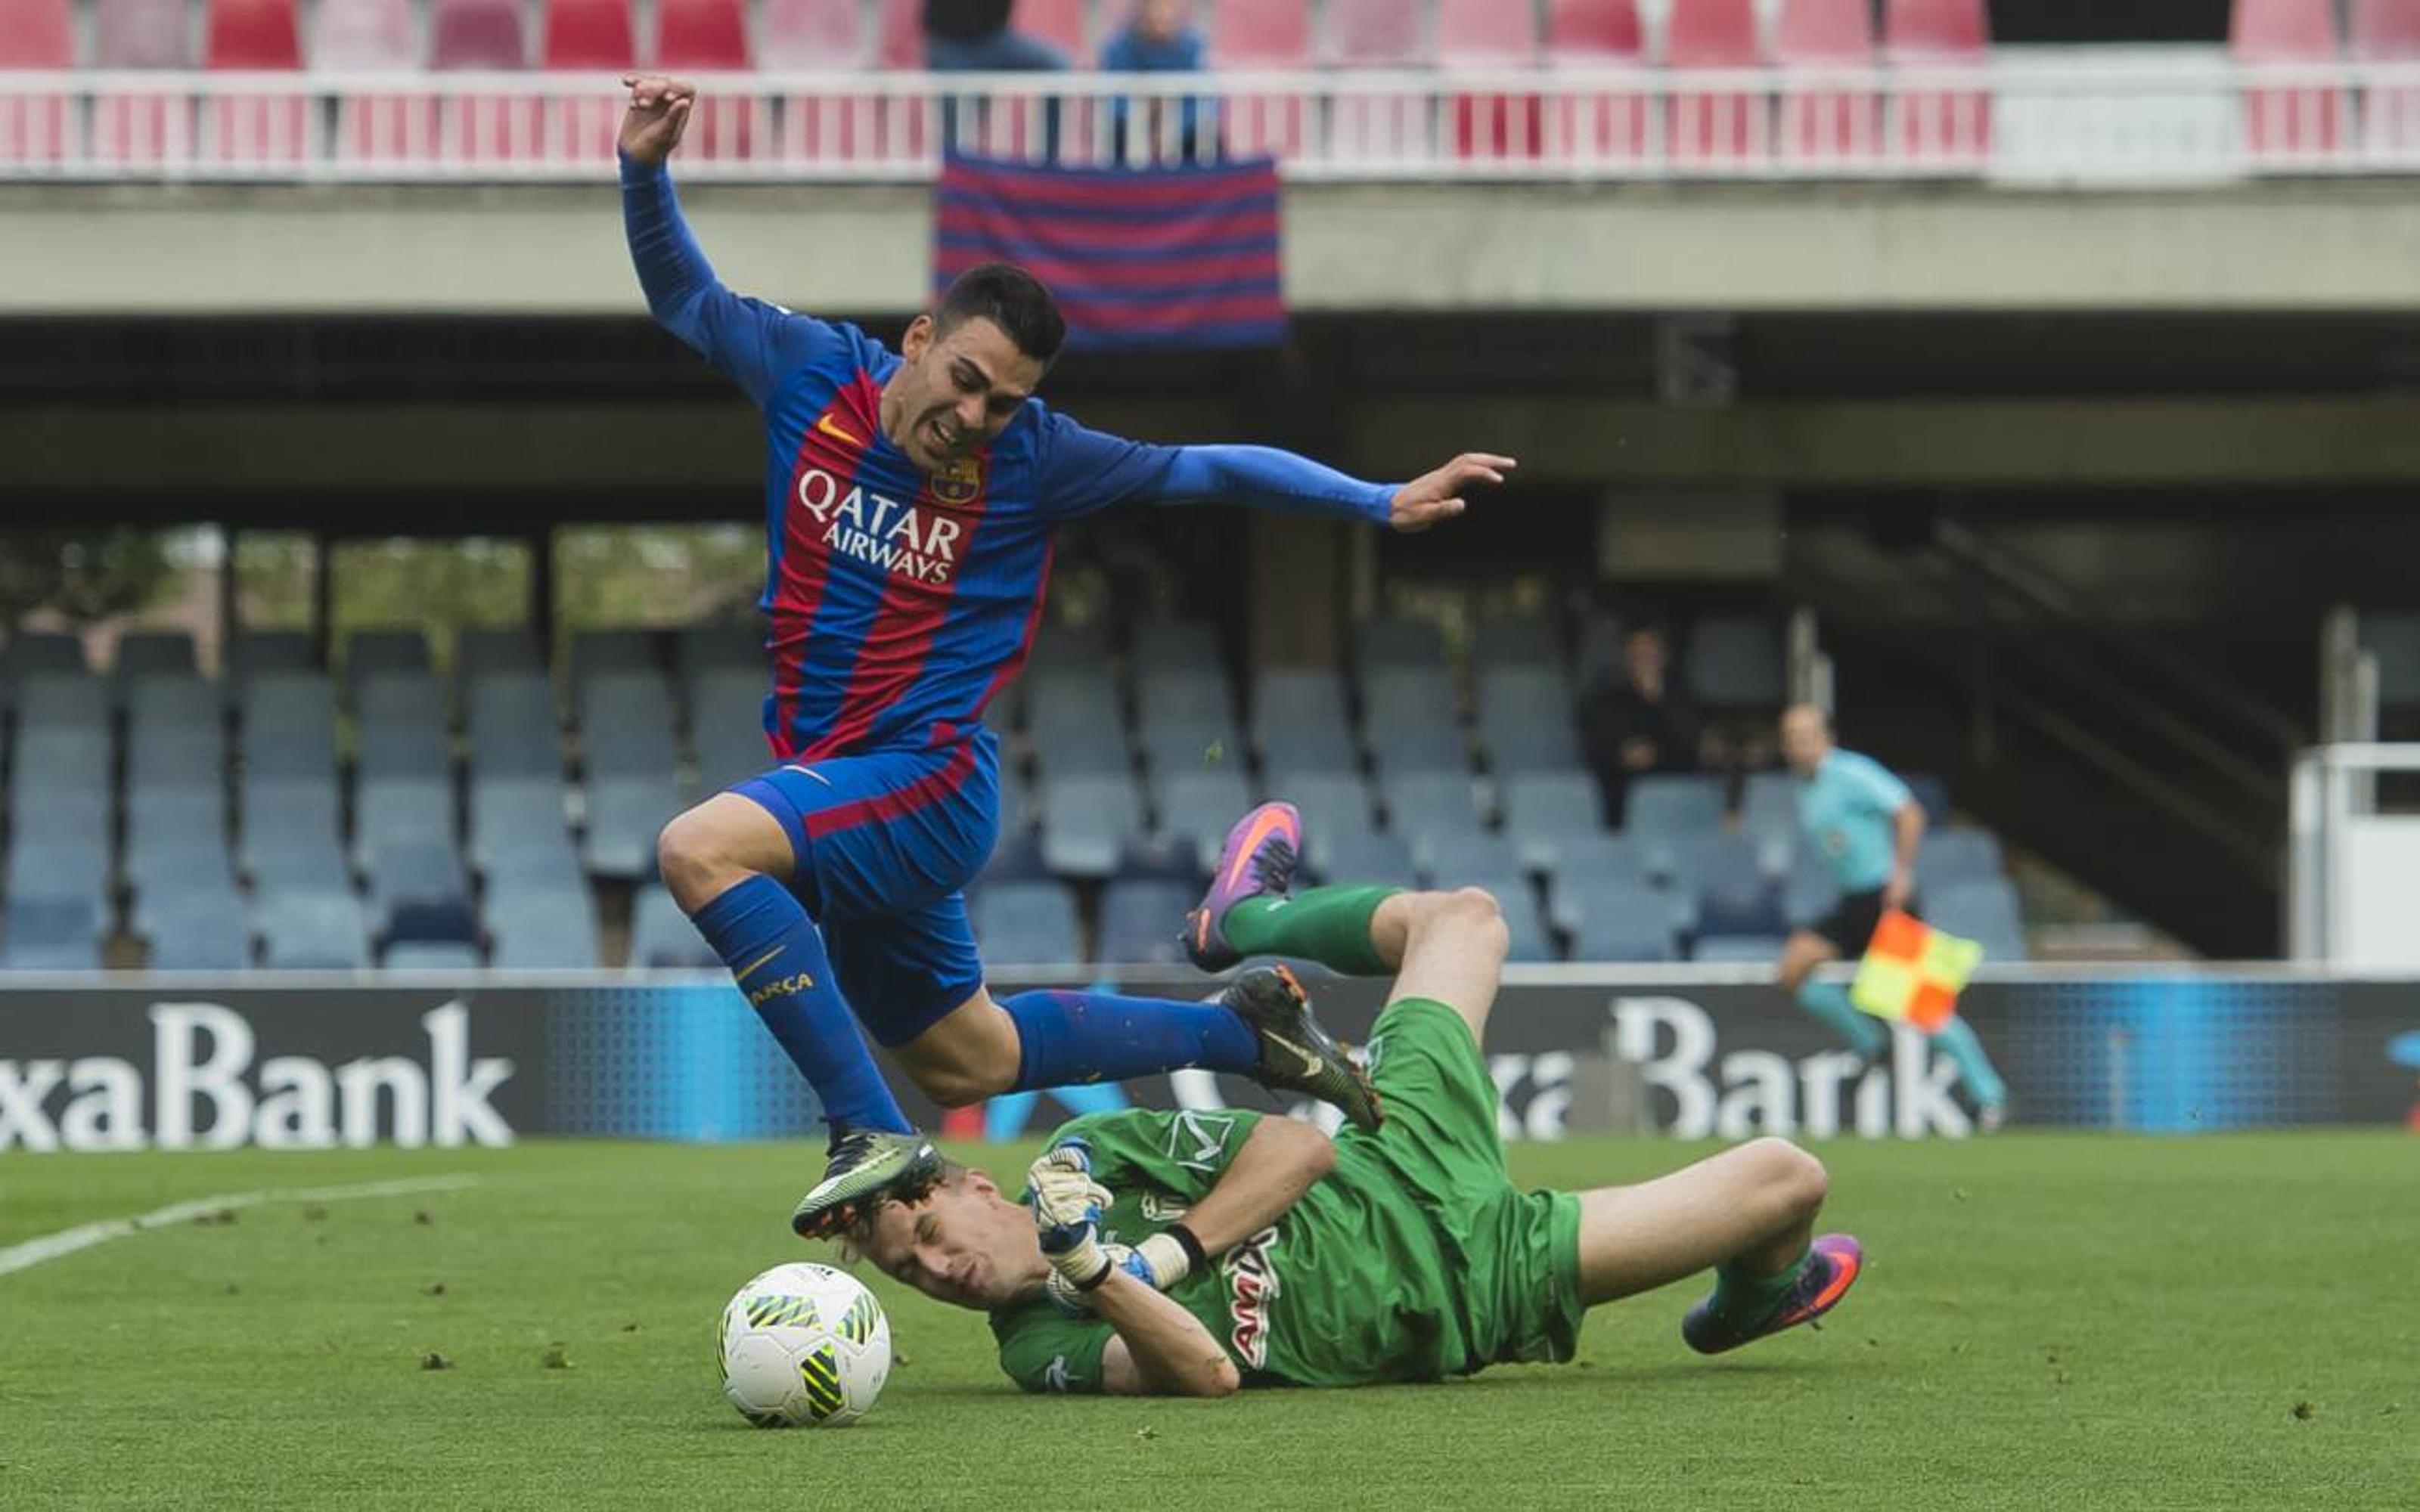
{"type": "Point", "coordinates": [1912, 971]}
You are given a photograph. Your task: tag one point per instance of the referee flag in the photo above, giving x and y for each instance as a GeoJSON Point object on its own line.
{"type": "Point", "coordinates": [1912, 971]}
{"type": "Point", "coordinates": [1144, 259]}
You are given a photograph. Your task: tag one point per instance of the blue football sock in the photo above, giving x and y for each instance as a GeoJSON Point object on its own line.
{"type": "Point", "coordinates": [1957, 1041]}
{"type": "Point", "coordinates": [1829, 1002]}
{"type": "Point", "coordinates": [1063, 1037]}
{"type": "Point", "coordinates": [776, 955]}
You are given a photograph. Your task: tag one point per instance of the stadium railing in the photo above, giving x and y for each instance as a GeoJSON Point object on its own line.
{"type": "Point", "coordinates": [2131, 119]}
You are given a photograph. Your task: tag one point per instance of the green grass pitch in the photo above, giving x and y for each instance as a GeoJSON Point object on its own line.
{"type": "Point", "coordinates": [2047, 1321]}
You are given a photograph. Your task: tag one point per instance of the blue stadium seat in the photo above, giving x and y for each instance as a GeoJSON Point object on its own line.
{"type": "Point", "coordinates": [31, 653]}
{"type": "Point", "coordinates": [145, 655]}
{"type": "Point", "coordinates": [1384, 860]}
{"type": "Point", "coordinates": [1624, 932]}
{"type": "Point", "coordinates": [1076, 727]}
{"type": "Point", "coordinates": [625, 814]}
{"type": "Point", "coordinates": [1460, 858]}
{"type": "Point", "coordinates": [1198, 807]}
{"type": "Point", "coordinates": [1298, 721]}
{"type": "Point", "coordinates": [1737, 950]}
{"type": "Point", "coordinates": [255, 654]}
{"type": "Point", "coordinates": [400, 811]}
{"type": "Point", "coordinates": [1769, 814]}
{"type": "Point", "coordinates": [1734, 892]}
{"type": "Point", "coordinates": [1389, 641]}
{"type": "Point", "coordinates": [289, 829]}
{"type": "Point", "coordinates": [1087, 820]}
{"type": "Point", "coordinates": [1060, 646]}
{"type": "Point", "coordinates": [514, 728]}
{"type": "Point", "coordinates": [1525, 721]}
{"type": "Point", "coordinates": [1947, 856]}
{"type": "Point", "coordinates": [1140, 921]}
{"type": "Point", "coordinates": [1179, 745]}
{"type": "Point", "coordinates": [67, 855]}
{"type": "Point", "coordinates": [431, 955]}
{"type": "Point", "coordinates": [50, 932]}
{"type": "Point", "coordinates": [1423, 806]}
{"type": "Point", "coordinates": [166, 819]}
{"type": "Point", "coordinates": [1026, 923]}
{"type": "Point", "coordinates": [1335, 807]}
{"type": "Point", "coordinates": [1807, 890]}
{"type": "Point", "coordinates": [513, 817]}
{"type": "Point", "coordinates": [734, 647]}
{"type": "Point", "coordinates": [1438, 746]}
{"type": "Point", "coordinates": [1411, 721]}
{"type": "Point", "coordinates": [620, 651]}
{"type": "Point", "coordinates": [199, 931]}
{"type": "Point", "coordinates": [1499, 644]}
{"type": "Point", "coordinates": [54, 701]}
{"type": "Point", "coordinates": [548, 926]}
{"type": "Point", "coordinates": [1189, 695]}
{"type": "Point", "coordinates": [419, 892]}
{"type": "Point", "coordinates": [1590, 867]}
{"type": "Point", "coordinates": [175, 734]}
{"type": "Point", "coordinates": [1931, 792]}
{"type": "Point", "coordinates": [628, 726]}
{"type": "Point", "coordinates": [1737, 662]}
{"type": "Point", "coordinates": [397, 651]}
{"type": "Point", "coordinates": [1546, 811]}
{"type": "Point", "coordinates": [1984, 909]}
{"type": "Point", "coordinates": [168, 880]}
{"type": "Point", "coordinates": [1661, 809]}
{"type": "Point", "coordinates": [1164, 646]}
{"type": "Point", "coordinates": [506, 651]}
{"type": "Point", "coordinates": [1396, 695]}
{"type": "Point", "coordinates": [1020, 804]}
{"type": "Point", "coordinates": [663, 938]}
{"type": "Point", "coordinates": [315, 929]}
{"type": "Point", "coordinates": [727, 730]}
{"type": "Point", "coordinates": [289, 725]}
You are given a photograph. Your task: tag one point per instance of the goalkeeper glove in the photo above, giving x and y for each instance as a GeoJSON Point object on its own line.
{"type": "Point", "coordinates": [1158, 1262]}
{"type": "Point", "coordinates": [1067, 1205]}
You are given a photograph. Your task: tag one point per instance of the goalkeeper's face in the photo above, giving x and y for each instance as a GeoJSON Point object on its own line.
{"type": "Point", "coordinates": [965, 1244]}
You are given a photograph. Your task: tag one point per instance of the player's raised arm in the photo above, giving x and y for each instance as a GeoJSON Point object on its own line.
{"type": "Point", "coordinates": [1091, 471]}
{"type": "Point", "coordinates": [754, 344]}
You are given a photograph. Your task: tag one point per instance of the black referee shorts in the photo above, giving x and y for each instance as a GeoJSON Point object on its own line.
{"type": "Point", "coordinates": [1851, 924]}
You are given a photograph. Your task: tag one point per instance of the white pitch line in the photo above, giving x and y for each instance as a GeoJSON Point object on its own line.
{"type": "Point", "coordinates": [84, 1236]}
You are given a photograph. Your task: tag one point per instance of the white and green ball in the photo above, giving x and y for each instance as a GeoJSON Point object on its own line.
{"type": "Point", "coordinates": [805, 1345]}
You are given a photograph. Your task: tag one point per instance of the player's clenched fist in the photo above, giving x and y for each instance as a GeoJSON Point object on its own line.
{"type": "Point", "coordinates": [1067, 1205]}
{"type": "Point", "coordinates": [658, 113]}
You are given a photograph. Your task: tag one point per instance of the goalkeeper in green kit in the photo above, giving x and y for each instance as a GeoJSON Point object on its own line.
{"type": "Point", "coordinates": [1191, 1252]}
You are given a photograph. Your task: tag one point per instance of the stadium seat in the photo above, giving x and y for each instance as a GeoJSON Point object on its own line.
{"type": "Point", "coordinates": [176, 737]}
{"type": "Point", "coordinates": [513, 729]}
{"type": "Point", "coordinates": [1931, 792]}
{"type": "Point", "coordinates": [1431, 810]}
{"type": "Point", "coordinates": [256, 37]}
{"type": "Point", "coordinates": [515, 817]}
{"type": "Point", "coordinates": [1735, 893]}
{"type": "Point", "coordinates": [290, 726]}
{"type": "Point", "coordinates": [1177, 646]}
{"type": "Point", "coordinates": [2388, 31]}
{"type": "Point", "coordinates": [711, 37]}
{"type": "Point", "coordinates": [2293, 125]}
{"type": "Point", "coordinates": [1199, 805]}
{"type": "Point", "coordinates": [593, 37]}
{"type": "Point", "coordinates": [143, 654]}
{"type": "Point", "coordinates": [1822, 123]}
{"type": "Point", "coordinates": [289, 836]}
{"type": "Point", "coordinates": [431, 955]}
{"type": "Point", "coordinates": [311, 930]}
{"type": "Point", "coordinates": [1298, 721]}
{"type": "Point", "coordinates": [1807, 890]}
{"type": "Point", "coordinates": [1402, 694]}
{"type": "Point", "coordinates": [1626, 921]}
{"type": "Point", "coordinates": [198, 931]}
{"type": "Point", "coordinates": [484, 36]}
{"type": "Point", "coordinates": [1367, 858]}
{"type": "Point", "coordinates": [1595, 37]}
{"type": "Point", "coordinates": [502, 651]}
{"type": "Point", "coordinates": [1087, 821]}
{"type": "Point", "coordinates": [1262, 36]}
{"type": "Point", "coordinates": [1605, 866]}
{"type": "Point", "coordinates": [32, 653]}
{"type": "Point", "coordinates": [1738, 662]}
{"type": "Point", "coordinates": [1984, 910]}
{"type": "Point", "coordinates": [419, 892]}
{"type": "Point", "coordinates": [76, 702]}
{"type": "Point", "coordinates": [541, 928]}
{"type": "Point", "coordinates": [1769, 815]}
{"type": "Point", "coordinates": [1335, 806]}
{"type": "Point", "coordinates": [625, 814]}
{"type": "Point", "coordinates": [705, 650]}
{"type": "Point", "coordinates": [663, 938]}
{"type": "Point", "coordinates": [142, 126]}
{"type": "Point", "coordinates": [38, 128]}
{"type": "Point", "coordinates": [1546, 811]}
{"type": "Point", "coordinates": [626, 726]}
{"type": "Point", "coordinates": [1719, 128]}
{"type": "Point", "coordinates": [393, 651]}
{"type": "Point", "coordinates": [1140, 922]}
{"type": "Point", "coordinates": [817, 37]}
{"type": "Point", "coordinates": [1374, 33]}
{"type": "Point", "coordinates": [376, 36]}
{"type": "Point", "coordinates": [50, 932]}
{"type": "Point", "coordinates": [1026, 923]}
{"type": "Point", "coordinates": [1525, 721]}
{"type": "Point", "coordinates": [1457, 857]}
{"type": "Point", "coordinates": [1496, 645]}
{"type": "Point", "coordinates": [1488, 35]}
{"type": "Point", "coordinates": [1944, 128]}
{"type": "Point", "coordinates": [1388, 643]}
{"type": "Point", "coordinates": [1594, 33]}
{"type": "Point", "coordinates": [1077, 726]}
{"type": "Point", "coordinates": [254, 653]}
{"type": "Point", "coordinates": [1183, 695]}
{"type": "Point", "coordinates": [602, 653]}
{"type": "Point", "coordinates": [1947, 857]}
{"type": "Point", "coordinates": [1661, 811]}
{"type": "Point", "coordinates": [1737, 950]}
{"type": "Point", "coordinates": [167, 877]}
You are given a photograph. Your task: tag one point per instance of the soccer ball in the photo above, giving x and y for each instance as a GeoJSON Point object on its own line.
{"type": "Point", "coordinates": [804, 1344]}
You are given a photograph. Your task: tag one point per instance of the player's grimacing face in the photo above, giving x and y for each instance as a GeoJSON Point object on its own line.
{"type": "Point", "coordinates": [962, 1244]}
{"type": "Point", "coordinates": [956, 390]}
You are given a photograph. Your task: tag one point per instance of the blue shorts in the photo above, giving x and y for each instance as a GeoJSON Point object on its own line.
{"type": "Point", "coordinates": [884, 845]}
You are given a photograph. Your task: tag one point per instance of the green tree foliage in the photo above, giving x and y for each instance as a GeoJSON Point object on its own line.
{"type": "Point", "coordinates": [81, 574]}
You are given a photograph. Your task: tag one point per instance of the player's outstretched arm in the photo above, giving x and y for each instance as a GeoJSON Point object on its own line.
{"type": "Point", "coordinates": [752, 343]}
{"type": "Point", "coordinates": [1162, 1349]}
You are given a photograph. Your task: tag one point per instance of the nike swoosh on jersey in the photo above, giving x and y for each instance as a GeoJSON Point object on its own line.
{"type": "Point", "coordinates": [825, 426]}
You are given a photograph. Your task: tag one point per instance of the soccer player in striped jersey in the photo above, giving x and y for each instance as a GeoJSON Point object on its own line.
{"type": "Point", "coordinates": [911, 502]}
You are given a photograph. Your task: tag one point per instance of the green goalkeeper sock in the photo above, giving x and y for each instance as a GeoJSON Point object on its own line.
{"type": "Point", "coordinates": [1746, 1299]}
{"type": "Point", "coordinates": [1329, 925]}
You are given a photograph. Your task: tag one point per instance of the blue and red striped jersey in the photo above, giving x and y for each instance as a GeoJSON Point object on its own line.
{"type": "Point", "coordinates": [900, 603]}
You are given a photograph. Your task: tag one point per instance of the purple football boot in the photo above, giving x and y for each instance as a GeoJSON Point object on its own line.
{"type": "Point", "coordinates": [1831, 1269]}
{"type": "Point", "coordinates": [1258, 859]}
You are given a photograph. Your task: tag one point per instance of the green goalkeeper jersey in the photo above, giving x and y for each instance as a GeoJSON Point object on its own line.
{"type": "Point", "coordinates": [1384, 1270]}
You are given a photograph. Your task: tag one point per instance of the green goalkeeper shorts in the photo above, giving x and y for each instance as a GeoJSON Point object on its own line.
{"type": "Point", "coordinates": [1518, 1251]}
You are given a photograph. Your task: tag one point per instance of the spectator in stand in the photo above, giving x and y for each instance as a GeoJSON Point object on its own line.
{"type": "Point", "coordinates": [1159, 37]}
{"type": "Point", "coordinates": [974, 36]}
{"type": "Point", "coordinates": [1636, 720]}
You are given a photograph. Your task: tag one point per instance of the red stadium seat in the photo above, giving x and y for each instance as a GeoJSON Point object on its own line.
{"type": "Point", "coordinates": [1487, 34]}
{"type": "Point", "coordinates": [248, 36]}
{"type": "Point", "coordinates": [830, 37]}
{"type": "Point", "coordinates": [1261, 34]}
{"type": "Point", "coordinates": [35, 34]}
{"type": "Point", "coordinates": [2388, 31]}
{"type": "Point", "coordinates": [1596, 36]}
{"type": "Point", "coordinates": [1716, 128]}
{"type": "Point", "coordinates": [1951, 128]}
{"type": "Point", "coordinates": [2282, 125]}
{"type": "Point", "coordinates": [376, 36]}
{"type": "Point", "coordinates": [813, 36]}
{"type": "Point", "coordinates": [1825, 124]}
{"type": "Point", "coordinates": [485, 36]}
{"type": "Point", "coordinates": [900, 35]}
{"type": "Point", "coordinates": [1060, 23]}
{"type": "Point", "coordinates": [145, 128]}
{"type": "Point", "coordinates": [592, 37]}
{"type": "Point", "coordinates": [1376, 33]}
{"type": "Point", "coordinates": [707, 37]}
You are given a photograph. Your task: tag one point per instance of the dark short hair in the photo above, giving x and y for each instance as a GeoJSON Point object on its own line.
{"type": "Point", "coordinates": [853, 1240]}
{"type": "Point", "coordinates": [1011, 299]}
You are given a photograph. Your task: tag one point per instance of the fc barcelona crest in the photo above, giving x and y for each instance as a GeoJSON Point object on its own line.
{"type": "Point", "coordinates": [959, 483]}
